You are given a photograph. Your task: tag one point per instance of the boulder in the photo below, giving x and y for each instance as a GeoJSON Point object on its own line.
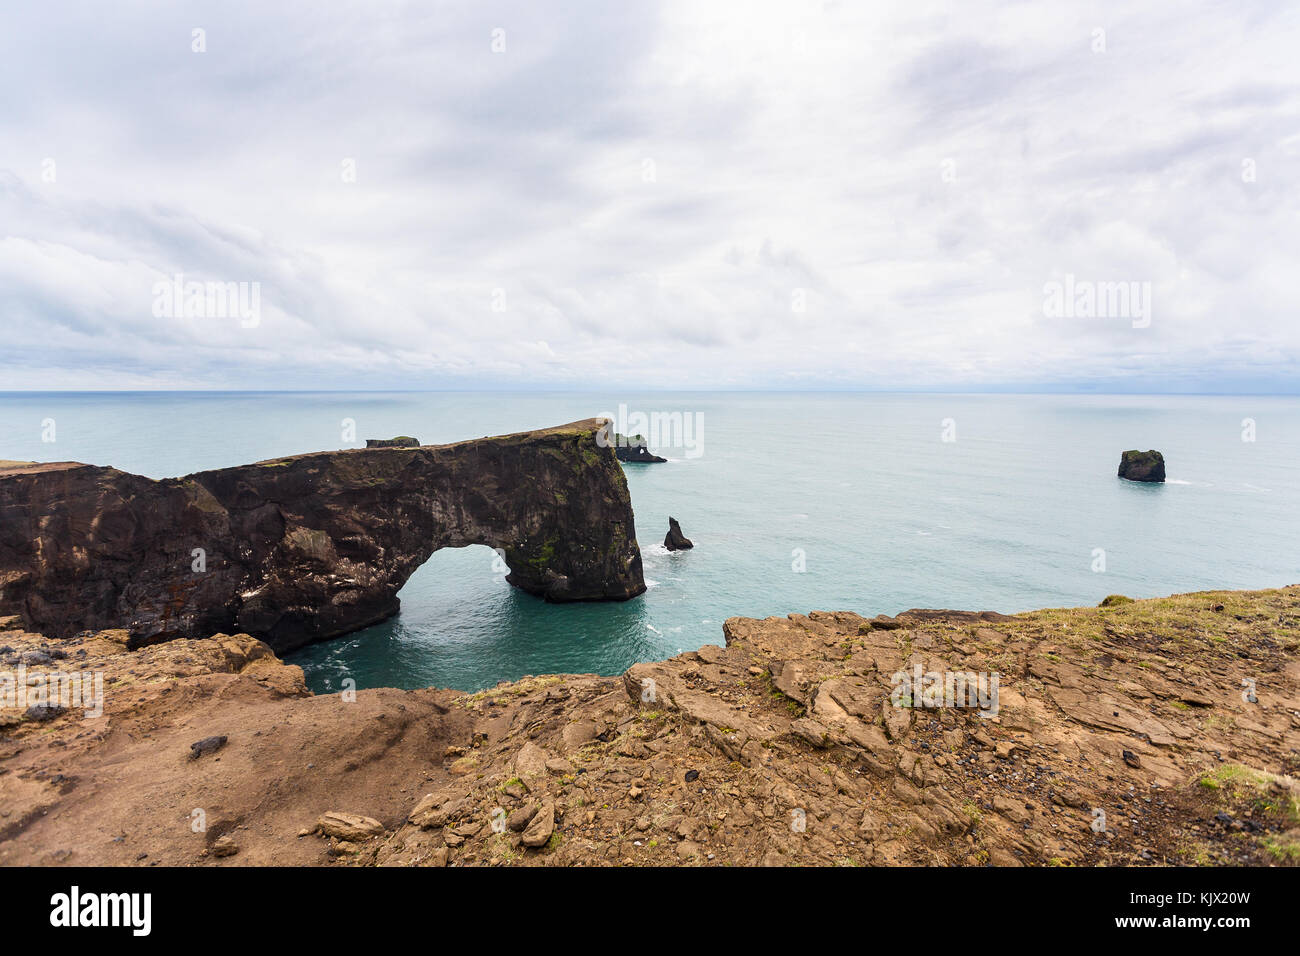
{"type": "Point", "coordinates": [675, 540]}
{"type": "Point", "coordinates": [577, 735]}
{"type": "Point", "coordinates": [1142, 466]}
{"type": "Point", "coordinates": [438, 809]}
{"type": "Point", "coordinates": [530, 761]}
{"type": "Point", "coordinates": [208, 745]}
{"type": "Point", "coordinates": [348, 826]}
{"type": "Point", "coordinates": [540, 827]}
{"type": "Point", "coordinates": [43, 712]}
{"type": "Point", "coordinates": [519, 820]}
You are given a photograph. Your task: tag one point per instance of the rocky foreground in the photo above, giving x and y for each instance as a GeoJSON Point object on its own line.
{"type": "Point", "coordinates": [1148, 732]}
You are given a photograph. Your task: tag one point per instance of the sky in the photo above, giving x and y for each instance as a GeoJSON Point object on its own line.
{"type": "Point", "coordinates": [671, 194]}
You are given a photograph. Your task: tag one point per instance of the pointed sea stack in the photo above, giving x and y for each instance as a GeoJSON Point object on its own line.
{"type": "Point", "coordinates": [675, 540]}
{"type": "Point", "coordinates": [1142, 466]}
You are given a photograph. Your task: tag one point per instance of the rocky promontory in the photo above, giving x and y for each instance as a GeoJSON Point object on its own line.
{"type": "Point", "coordinates": [311, 546]}
{"type": "Point", "coordinates": [1150, 732]}
{"type": "Point", "coordinates": [1142, 466]}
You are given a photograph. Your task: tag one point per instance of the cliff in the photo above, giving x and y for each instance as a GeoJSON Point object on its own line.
{"type": "Point", "coordinates": [299, 549]}
{"type": "Point", "coordinates": [1145, 732]}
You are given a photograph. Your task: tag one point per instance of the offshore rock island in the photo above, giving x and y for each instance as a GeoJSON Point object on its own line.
{"type": "Point", "coordinates": [1148, 466]}
{"type": "Point", "coordinates": [308, 547]}
{"type": "Point", "coordinates": [1144, 732]}
{"type": "Point", "coordinates": [636, 450]}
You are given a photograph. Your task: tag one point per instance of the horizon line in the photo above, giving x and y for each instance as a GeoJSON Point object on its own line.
{"type": "Point", "coordinates": [633, 388]}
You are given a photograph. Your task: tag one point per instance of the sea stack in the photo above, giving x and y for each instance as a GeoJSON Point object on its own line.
{"type": "Point", "coordinates": [1142, 466]}
{"type": "Point", "coordinates": [675, 540]}
{"type": "Point", "coordinates": [634, 448]}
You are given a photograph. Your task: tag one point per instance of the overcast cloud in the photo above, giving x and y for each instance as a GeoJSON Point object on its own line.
{"type": "Point", "coordinates": [685, 194]}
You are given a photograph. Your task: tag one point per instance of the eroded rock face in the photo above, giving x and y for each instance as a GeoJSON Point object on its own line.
{"type": "Point", "coordinates": [1142, 466]}
{"type": "Point", "coordinates": [313, 546]}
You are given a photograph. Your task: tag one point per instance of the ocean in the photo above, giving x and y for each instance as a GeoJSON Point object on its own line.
{"type": "Point", "coordinates": [867, 502]}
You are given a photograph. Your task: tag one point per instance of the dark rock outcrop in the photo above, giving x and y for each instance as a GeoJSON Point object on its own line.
{"type": "Point", "coordinates": [309, 547]}
{"type": "Point", "coordinates": [635, 449]}
{"type": "Point", "coordinates": [1142, 466]}
{"type": "Point", "coordinates": [401, 441]}
{"type": "Point", "coordinates": [675, 540]}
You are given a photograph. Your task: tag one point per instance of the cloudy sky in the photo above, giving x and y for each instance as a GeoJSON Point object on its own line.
{"type": "Point", "coordinates": [682, 194]}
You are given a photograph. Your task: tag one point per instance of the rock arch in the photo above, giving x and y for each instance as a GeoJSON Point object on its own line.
{"type": "Point", "coordinates": [304, 548]}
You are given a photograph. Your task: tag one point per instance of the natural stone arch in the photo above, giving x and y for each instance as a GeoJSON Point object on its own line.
{"type": "Point", "coordinates": [313, 546]}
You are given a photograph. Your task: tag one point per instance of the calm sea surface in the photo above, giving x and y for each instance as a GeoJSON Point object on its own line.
{"type": "Point", "coordinates": [859, 490]}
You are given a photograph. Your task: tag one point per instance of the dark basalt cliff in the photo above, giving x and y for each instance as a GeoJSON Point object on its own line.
{"type": "Point", "coordinates": [308, 547]}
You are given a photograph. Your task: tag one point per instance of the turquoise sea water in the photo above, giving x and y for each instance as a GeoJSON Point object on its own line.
{"type": "Point", "coordinates": [885, 513]}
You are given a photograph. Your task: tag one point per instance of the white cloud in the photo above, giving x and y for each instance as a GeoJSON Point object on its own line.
{"type": "Point", "coordinates": [682, 193]}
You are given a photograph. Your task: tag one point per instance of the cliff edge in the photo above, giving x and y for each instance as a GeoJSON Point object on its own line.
{"type": "Point", "coordinates": [1150, 732]}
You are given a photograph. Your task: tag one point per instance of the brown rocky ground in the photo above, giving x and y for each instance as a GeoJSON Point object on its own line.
{"type": "Point", "coordinates": [782, 747]}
